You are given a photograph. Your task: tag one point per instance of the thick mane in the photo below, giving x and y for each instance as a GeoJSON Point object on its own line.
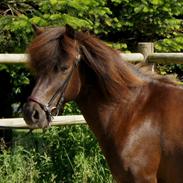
{"type": "Point", "coordinates": [146, 71]}
{"type": "Point", "coordinates": [50, 49]}
{"type": "Point", "coordinates": [113, 76]}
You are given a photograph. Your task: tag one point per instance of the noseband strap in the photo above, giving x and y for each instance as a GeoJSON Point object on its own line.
{"type": "Point", "coordinates": [44, 107]}
{"type": "Point", "coordinates": [60, 91]}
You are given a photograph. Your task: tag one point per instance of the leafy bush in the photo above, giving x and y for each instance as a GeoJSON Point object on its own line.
{"type": "Point", "coordinates": [65, 154]}
{"type": "Point", "coordinates": [18, 166]}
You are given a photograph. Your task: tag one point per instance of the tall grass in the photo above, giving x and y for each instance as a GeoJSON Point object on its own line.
{"type": "Point", "coordinates": [17, 166]}
{"type": "Point", "coordinates": [68, 154]}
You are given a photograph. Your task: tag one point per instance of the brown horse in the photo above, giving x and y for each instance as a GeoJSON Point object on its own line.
{"type": "Point", "coordinates": [137, 118]}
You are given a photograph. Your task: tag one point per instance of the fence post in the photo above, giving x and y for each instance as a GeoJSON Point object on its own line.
{"type": "Point", "coordinates": [146, 48]}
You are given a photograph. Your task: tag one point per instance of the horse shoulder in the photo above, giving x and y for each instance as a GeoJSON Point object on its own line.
{"type": "Point", "coordinates": [172, 123]}
{"type": "Point", "coordinates": [141, 152]}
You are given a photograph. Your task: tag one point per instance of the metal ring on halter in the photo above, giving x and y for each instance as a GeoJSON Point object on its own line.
{"type": "Point", "coordinates": [45, 108]}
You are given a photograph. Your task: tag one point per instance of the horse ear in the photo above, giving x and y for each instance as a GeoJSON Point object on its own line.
{"type": "Point", "coordinates": [70, 32]}
{"type": "Point", "coordinates": [38, 30]}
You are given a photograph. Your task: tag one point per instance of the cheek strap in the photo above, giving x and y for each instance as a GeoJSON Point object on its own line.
{"type": "Point", "coordinates": [60, 91]}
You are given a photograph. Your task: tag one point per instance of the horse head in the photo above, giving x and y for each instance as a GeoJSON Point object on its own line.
{"type": "Point", "coordinates": [54, 57]}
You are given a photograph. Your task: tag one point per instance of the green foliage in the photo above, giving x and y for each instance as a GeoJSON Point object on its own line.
{"type": "Point", "coordinates": [149, 21]}
{"type": "Point", "coordinates": [172, 44]}
{"type": "Point", "coordinates": [17, 166]}
{"type": "Point", "coordinates": [71, 108]}
{"type": "Point", "coordinates": [65, 154]}
{"type": "Point", "coordinates": [122, 21]}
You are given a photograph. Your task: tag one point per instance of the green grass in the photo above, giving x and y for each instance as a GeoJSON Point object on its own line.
{"type": "Point", "coordinates": [68, 154]}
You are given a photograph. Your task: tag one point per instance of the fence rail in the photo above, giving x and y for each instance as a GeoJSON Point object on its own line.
{"type": "Point", "coordinates": [13, 58]}
{"type": "Point", "coordinates": [24, 58]}
{"type": "Point", "coordinates": [157, 58]}
{"type": "Point", "coordinates": [58, 120]}
{"type": "Point", "coordinates": [165, 58]}
{"type": "Point", "coordinates": [146, 53]}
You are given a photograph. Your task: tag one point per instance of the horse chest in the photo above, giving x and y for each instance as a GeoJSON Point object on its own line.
{"type": "Point", "coordinates": [141, 148]}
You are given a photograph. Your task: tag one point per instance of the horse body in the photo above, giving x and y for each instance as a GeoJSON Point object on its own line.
{"type": "Point", "coordinates": [171, 136]}
{"type": "Point", "coordinates": [137, 119]}
{"type": "Point", "coordinates": [144, 141]}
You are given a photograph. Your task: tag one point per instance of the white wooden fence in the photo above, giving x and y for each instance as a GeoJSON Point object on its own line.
{"type": "Point", "coordinates": [157, 58]}
{"type": "Point", "coordinates": [146, 53]}
{"type": "Point", "coordinates": [58, 120]}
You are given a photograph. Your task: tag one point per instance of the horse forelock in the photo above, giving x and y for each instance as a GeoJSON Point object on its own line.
{"type": "Point", "coordinates": [50, 49]}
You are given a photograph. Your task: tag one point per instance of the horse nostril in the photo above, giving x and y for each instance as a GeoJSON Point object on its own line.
{"type": "Point", "coordinates": [35, 116]}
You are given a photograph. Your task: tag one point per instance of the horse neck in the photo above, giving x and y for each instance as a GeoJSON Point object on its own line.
{"type": "Point", "coordinates": [116, 77]}
{"type": "Point", "coordinates": [95, 112]}
{"type": "Point", "coordinates": [98, 112]}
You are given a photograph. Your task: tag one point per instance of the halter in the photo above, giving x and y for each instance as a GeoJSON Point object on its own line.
{"type": "Point", "coordinates": [61, 90]}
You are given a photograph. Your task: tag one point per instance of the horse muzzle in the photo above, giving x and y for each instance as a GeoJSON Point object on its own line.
{"type": "Point", "coordinates": [35, 116]}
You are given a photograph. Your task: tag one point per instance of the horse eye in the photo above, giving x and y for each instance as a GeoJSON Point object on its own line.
{"type": "Point", "coordinates": [58, 68]}
{"type": "Point", "coordinates": [63, 68]}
